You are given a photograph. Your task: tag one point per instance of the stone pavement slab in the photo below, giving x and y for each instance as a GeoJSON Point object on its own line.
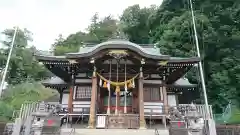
{"type": "Point", "coordinates": [113, 132]}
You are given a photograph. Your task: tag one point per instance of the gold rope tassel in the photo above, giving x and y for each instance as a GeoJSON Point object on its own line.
{"type": "Point", "coordinates": [130, 85]}
{"type": "Point", "coordinates": [117, 89]}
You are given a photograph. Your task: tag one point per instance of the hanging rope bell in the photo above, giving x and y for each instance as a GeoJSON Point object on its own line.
{"type": "Point", "coordinates": [105, 84]}
{"type": "Point", "coordinates": [117, 89]}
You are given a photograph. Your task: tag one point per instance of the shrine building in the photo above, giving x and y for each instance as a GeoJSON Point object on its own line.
{"type": "Point", "coordinates": [119, 78]}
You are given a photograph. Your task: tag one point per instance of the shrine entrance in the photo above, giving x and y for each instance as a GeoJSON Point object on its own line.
{"type": "Point", "coordinates": [120, 112]}
{"type": "Point", "coordinates": [125, 105]}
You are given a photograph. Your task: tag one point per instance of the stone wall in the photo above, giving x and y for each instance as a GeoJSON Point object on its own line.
{"type": "Point", "coordinates": [228, 129]}
{"type": "Point", "coordinates": [2, 127]}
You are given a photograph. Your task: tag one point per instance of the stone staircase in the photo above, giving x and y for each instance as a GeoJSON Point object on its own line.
{"type": "Point", "coordinates": [70, 131]}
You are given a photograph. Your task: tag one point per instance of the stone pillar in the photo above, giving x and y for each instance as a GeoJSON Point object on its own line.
{"type": "Point", "coordinates": [92, 117]}
{"type": "Point", "coordinates": [141, 101]}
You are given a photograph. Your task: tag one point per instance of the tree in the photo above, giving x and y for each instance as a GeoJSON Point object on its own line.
{"type": "Point", "coordinates": [134, 21]}
{"type": "Point", "coordinates": [218, 31]}
{"type": "Point", "coordinates": [98, 31]}
{"type": "Point", "coordinates": [23, 65]}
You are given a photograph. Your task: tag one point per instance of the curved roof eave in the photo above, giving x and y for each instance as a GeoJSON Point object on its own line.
{"type": "Point", "coordinates": [51, 58]}
{"type": "Point", "coordinates": [183, 82]}
{"type": "Point", "coordinates": [54, 81]}
{"type": "Point", "coordinates": [179, 59]}
{"type": "Point", "coordinates": [118, 44]}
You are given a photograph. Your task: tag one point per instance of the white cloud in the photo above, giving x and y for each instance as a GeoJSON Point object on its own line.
{"type": "Point", "coordinates": [49, 18]}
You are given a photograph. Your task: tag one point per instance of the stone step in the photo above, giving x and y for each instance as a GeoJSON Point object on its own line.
{"type": "Point", "coordinates": [113, 132]}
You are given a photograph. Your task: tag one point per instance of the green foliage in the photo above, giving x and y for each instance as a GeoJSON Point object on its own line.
{"type": "Point", "coordinates": [135, 25]}
{"type": "Point", "coordinates": [170, 26]}
{"type": "Point", "coordinates": [16, 95]}
{"type": "Point", "coordinates": [218, 28]}
{"type": "Point", "coordinates": [98, 31]}
{"type": "Point", "coordinates": [6, 111]}
{"type": "Point", "coordinates": [23, 65]}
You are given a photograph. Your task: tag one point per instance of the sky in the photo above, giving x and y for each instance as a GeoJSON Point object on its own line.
{"type": "Point", "coordinates": [46, 19]}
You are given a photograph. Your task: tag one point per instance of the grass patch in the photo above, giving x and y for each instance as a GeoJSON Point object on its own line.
{"type": "Point", "coordinates": [235, 118]}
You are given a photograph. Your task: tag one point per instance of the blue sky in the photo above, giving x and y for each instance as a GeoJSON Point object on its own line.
{"type": "Point", "coordinates": [49, 18]}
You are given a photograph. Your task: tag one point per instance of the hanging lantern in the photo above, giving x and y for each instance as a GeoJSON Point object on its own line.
{"type": "Point", "coordinates": [100, 82]}
{"type": "Point", "coordinates": [117, 89]}
{"type": "Point", "coordinates": [105, 84]}
{"type": "Point", "coordinates": [108, 85]}
{"type": "Point", "coordinates": [133, 84]}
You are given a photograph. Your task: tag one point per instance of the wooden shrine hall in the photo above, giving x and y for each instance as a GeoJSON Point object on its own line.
{"type": "Point", "coordinates": [119, 79]}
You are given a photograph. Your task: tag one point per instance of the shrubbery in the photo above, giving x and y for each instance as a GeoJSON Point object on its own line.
{"type": "Point", "coordinates": [16, 95]}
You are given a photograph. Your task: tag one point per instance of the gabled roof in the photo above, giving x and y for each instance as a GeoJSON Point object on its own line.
{"type": "Point", "coordinates": [145, 50]}
{"type": "Point", "coordinates": [152, 52]}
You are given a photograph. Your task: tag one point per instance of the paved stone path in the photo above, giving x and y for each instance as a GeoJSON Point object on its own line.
{"type": "Point", "coordinates": [113, 132]}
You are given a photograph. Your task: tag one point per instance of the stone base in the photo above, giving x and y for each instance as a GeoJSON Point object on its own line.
{"type": "Point", "coordinates": [90, 127]}
{"type": "Point", "coordinates": [142, 128]}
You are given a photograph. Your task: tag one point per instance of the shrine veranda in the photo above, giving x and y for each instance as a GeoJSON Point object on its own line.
{"type": "Point", "coordinates": [119, 77]}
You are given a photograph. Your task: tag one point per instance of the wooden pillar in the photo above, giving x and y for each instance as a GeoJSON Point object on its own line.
{"type": "Point", "coordinates": [165, 105]}
{"type": "Point", "coordinates": [70, 100]}
{"type": "Point", "coordinates": [92, 117]}
{"type": "Point", "coordinates": [109, 102]}
{"type": "Point", "coordinates": [165, 99]}
{"type": "Point", "coordinates": [61, 96]}
{"type": "Point", "coordinates": [141, 101]}
{"type": "Point", "coordinates": [117, 106]}
{"type": "Point", "coordinates": [71, 91]}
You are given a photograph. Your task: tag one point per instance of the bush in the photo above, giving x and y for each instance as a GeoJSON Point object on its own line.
{"type": "Point", "coordinates": [16, 95]}
{"type": "Point", "coordinates": [6, 111]}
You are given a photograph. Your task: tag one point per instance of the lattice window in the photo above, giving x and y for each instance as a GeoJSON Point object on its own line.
{"type": "Point", "coordinates": [152, 94]}
{"type": "Point", "coordinates": [83, 92]}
